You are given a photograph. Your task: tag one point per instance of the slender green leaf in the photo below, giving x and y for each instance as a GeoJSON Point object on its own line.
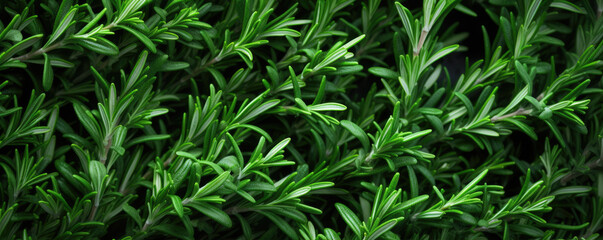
{"type": "Point", "coordinates": [350, 218]}
{"type": "Point", "coordinates": [48, 74]}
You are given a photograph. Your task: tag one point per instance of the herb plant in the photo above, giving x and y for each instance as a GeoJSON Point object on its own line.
{"type": "Point", "coordinates": [326, 119]}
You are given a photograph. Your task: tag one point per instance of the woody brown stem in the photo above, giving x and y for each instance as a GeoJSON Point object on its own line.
{"type": "Point", "coordinates": [40, 51]}
{"type": "Point", "coordinates": [519, 112]}
{"type": "Point", "coordinates": [424, 33]}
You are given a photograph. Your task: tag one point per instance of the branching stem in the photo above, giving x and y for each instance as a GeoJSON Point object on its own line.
{"type": "Point", "coordinates": [519, 112]}
{"type": "Point", "coordinates": [40, 51]}
{"type": "Point", "coordinates": [198, 70]}
{"type": "Point", "coordinates": [43, 50]}
{"type": "Point", "coordinates": [575, 173]}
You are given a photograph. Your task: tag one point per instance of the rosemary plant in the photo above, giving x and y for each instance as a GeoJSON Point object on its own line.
{"type": "Point", "coordinates": [325, 119]}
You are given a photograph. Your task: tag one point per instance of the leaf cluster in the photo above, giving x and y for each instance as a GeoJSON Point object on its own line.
{"type": "Point", "coordinates": [326, 119]}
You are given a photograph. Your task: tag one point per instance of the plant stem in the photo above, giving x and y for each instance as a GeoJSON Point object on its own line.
{"type": "Point", "coordinates": [424, 33]}
{"type": "Point", "coordinates": [575, 173]}
{"type": "Point", "coordinates": [519, 112]}
{"type": "Point", "coordinates": [93, 212]}
{"type": "Point", "coordinates": [40, 51]}
{"type": "Point", "coordinates": [236, 209]}
{"type": "Point", "coordinates": [43, 50]}
{"type": "Point", "coordinates": [146, 225]}
{"type": "Point", "coordinates": [198, 70]}
{"type": "Point", "coordinates": [107, 147]}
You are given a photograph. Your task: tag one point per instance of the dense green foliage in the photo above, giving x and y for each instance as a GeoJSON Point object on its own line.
{"type": "Point", "coordinates": [326, 119]}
